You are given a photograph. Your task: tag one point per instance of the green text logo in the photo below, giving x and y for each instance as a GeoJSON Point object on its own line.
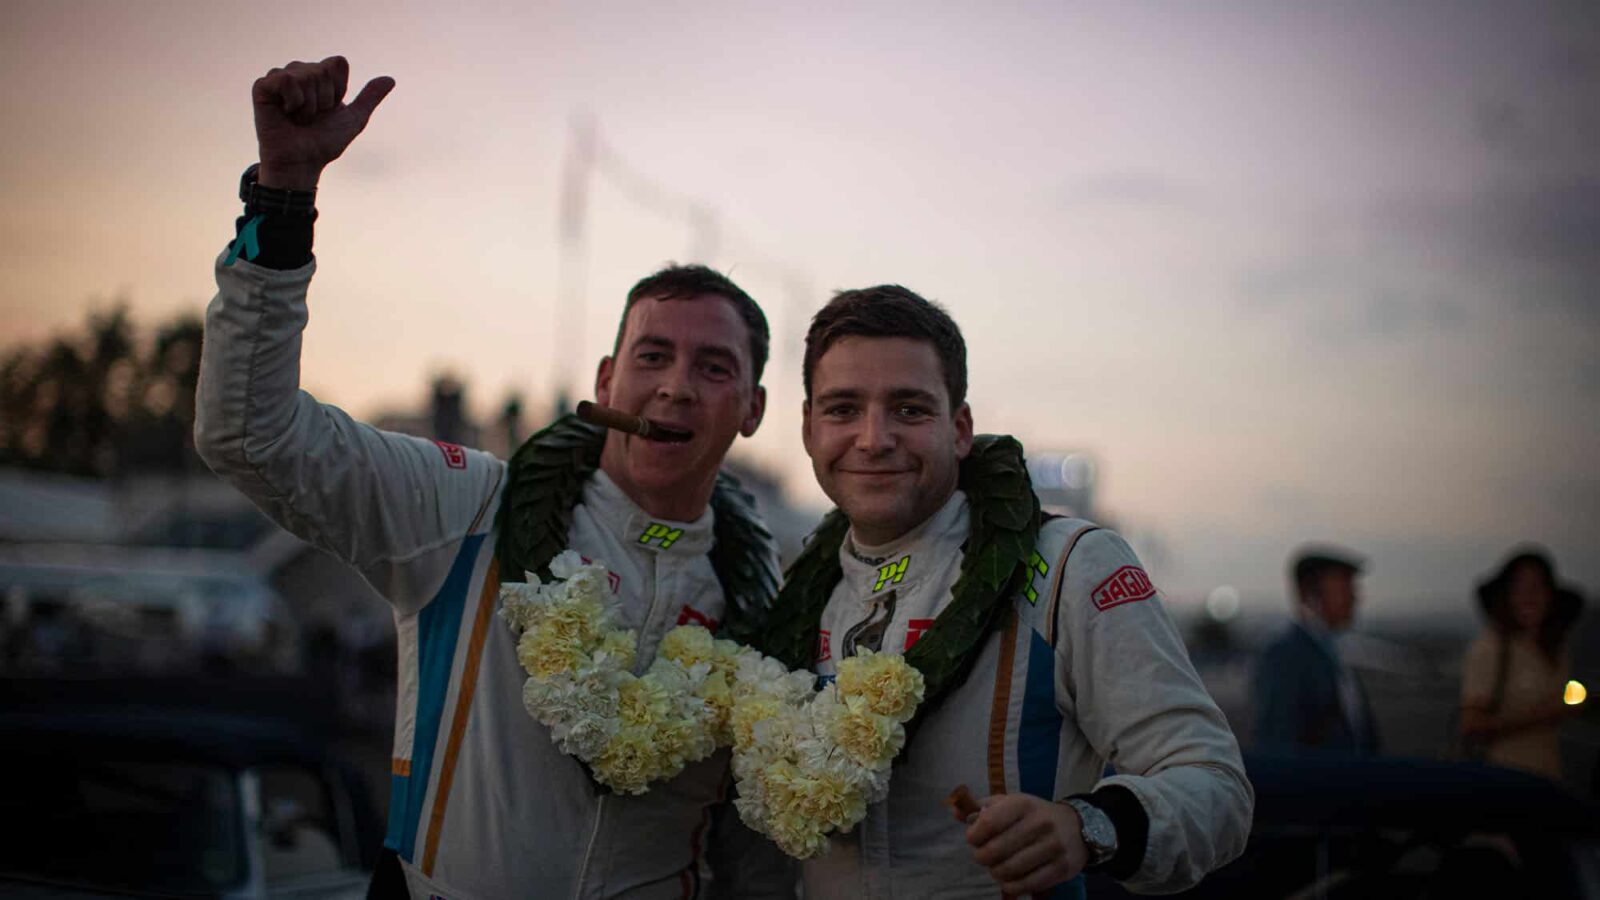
{"type": "Point", "coordinates": [892, 573]}
{"type": "Point", "coordinates": [659, 532]}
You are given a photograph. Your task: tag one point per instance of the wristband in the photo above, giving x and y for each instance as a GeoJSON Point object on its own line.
{"type": "Point", "coordinates": [276, 201]}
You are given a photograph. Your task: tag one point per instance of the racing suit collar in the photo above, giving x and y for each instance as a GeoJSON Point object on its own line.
{"type": "Point", "coordinates": [633, 526]}
{"type": "Point", "coordinates": [874, 568]}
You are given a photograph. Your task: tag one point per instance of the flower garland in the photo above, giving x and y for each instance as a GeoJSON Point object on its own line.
{"type": "Point", "coordinates": [629, 729]}
{"type": "Point", "coordinates": [807, 762]}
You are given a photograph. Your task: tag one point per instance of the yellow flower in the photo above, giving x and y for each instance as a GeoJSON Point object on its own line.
{"type": "Point", "coordinates": [747, 711]}
{"type": "Point", "coordinates": [546, 656]}
{"type": "Point", "coordinates": [579, 623]}
{"type": "Point", "coordinates": [641, 701]}
{"type": "Point", "coordinates": [802, 806]}
{"type": "Point", "coordinates": [719, 696]}
{"type": "Point", "coordinates": [889, 685]}
{"type": "Point", "coordinates": [620, 644]}
{"type": "Point", "coordinates": [628, 761]}
{"type": "Point", "coordinates": [688, 644]}
{"type": "Point", "coordinates": [869, 739]}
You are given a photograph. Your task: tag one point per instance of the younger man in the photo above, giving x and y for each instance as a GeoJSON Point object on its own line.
{"type": "Point", "coordinates": [1046, 651]}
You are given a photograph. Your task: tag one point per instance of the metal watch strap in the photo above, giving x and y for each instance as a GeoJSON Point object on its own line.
{"type": "Point", "coordinates": [1099, 834]}
{"type": "Point", "coordinates": [280, 201]}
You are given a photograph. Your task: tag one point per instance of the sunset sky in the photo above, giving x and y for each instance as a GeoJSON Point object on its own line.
{"type": "Point", "coordinates": [1289, 271]}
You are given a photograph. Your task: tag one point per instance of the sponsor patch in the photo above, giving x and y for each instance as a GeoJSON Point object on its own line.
{"type": "Point", "coordinates": [892, 573]}
{"type": "Point", "coordinates": [454, 456]}
{"type": "Point", "coordinates": [691, 616]}
{"type": "Point", "coordinates": [1037, 567]}
{"type": "Point", "coordinates": [656, 531]}
{"type": "Point", "coordinates": [824, 646]}
{"type": "Point", "coordinates": [1126, 585]}
{"type": "Point", "coordinates": [915, 629]}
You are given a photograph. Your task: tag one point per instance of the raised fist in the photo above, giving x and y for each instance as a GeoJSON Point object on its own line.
{"type": "Point", "coordinates": [302, 121]}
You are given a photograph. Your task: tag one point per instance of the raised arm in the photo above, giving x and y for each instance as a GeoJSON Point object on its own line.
{"type": "Point", "coordinates": [395, 507]}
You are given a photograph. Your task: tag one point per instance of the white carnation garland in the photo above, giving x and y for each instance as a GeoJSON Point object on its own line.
{"type": "Point", "coordinates": [807, 762]}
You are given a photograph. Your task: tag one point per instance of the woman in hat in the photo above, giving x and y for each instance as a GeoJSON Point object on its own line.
{"type": "Point", "coordinates": [1515, 673]}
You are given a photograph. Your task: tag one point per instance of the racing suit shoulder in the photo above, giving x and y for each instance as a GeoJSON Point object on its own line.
{"type": "Point", "coordinates": [1124, 673]}
{"type": "Point", "coordinates": [396, 507]}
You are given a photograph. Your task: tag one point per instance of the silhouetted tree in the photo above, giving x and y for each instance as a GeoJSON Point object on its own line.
{"type": "Point", "coordinates": [95, 403]}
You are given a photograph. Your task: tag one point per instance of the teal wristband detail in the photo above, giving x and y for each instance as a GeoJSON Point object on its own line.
{"type": "Point", "coordinates": [248, 241]}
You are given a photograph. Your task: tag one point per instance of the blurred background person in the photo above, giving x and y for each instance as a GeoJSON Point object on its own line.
{"type": "Point", "coordinates": [1515, 673]}
{"type": "Point", "coordinates": [1305, 695]}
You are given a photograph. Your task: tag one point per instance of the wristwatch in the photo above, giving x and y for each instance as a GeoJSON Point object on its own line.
{"type": "Point", "coordinates": [282, 201]}
{"type": "Point", "coordinates": [1099, 834]}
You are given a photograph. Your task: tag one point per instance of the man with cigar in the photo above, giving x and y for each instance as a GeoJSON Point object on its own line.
{"type": "Point", "coordinates": [482, 803]}
{"type": "Point", "coordinates": [1043, 645]}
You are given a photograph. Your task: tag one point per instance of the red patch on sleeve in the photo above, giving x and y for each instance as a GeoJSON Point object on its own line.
{"type": "Point", "coordinates": [454, 456]}
{"type": "Point", "coordinates": [1126, 585]}
{"type": "Point", "coordinates": [824, 647]}
{"type": "Point", "coordinates": [915, 628]}
{"type": "Point", "coordinates": [691, 616]}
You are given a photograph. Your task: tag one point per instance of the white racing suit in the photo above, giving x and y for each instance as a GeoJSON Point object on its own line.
{"type": "Point", "coordinates": [1046, 707]}
{"type": "Point", "coordinates": [482, 804]}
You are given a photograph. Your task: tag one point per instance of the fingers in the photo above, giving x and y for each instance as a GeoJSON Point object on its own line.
{"type": "Point", "coordinates": [303, 90]}
{"type": "Point", "coordinates": [1029, 856]}
{"type": "Point", "coordinates": [1009, 842]}
{"type": "Point", "coordinates": [998, 812]}
{"type": "Point", "coordinates": [339, 68]}
{"type": "Point", "coordinates": [371, 95]}
{"type": "Point", "coordinates": [1039, 881]}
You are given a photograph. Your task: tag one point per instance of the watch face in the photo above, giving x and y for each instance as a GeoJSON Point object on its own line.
{"type": "Point", "coordinates": [1099, 835]}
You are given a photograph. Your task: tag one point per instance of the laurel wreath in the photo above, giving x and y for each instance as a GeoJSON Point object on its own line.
{"type": "Point", "coordinates": [1005, 519]}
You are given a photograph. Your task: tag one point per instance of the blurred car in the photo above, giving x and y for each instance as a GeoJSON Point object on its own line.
{"type": "Point", "coordinates": [1337, 827]}
{"type": "Point", "coordinates": [85, 609]}
{"type": "Point", "coordinates": [130, 793]}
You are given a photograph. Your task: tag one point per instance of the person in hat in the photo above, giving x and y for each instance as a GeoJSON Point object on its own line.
{"type": "Point", "coordinates": [1305, 696]}
{"type": "Point", "coordinates": [1515, 672]}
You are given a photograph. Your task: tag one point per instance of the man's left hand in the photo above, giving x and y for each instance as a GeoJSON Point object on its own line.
{"type": "Point", "coordinates": [1029, 845]}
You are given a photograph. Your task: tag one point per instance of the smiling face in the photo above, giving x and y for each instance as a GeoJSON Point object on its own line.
{"type": "Point", "coordinates": [883, 442]}
{"type": "Point", "coordinates": [684, 363]}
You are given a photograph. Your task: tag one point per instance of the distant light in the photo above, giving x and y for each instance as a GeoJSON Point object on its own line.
{"type": "Point", "coordinates": [1077, 472]}
{"type": "Point", "coordinates": [1222, 604]}
{"type": "Point", "coordinates": [1576, 693]}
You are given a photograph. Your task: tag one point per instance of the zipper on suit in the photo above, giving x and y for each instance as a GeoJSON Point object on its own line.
{"type": "Point", "coordinates": [588, 850]}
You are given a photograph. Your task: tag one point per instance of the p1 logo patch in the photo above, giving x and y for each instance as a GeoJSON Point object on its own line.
{"type": "Point", "coordinates": [666, 534]}
{"type": "Point", "coordinates": [1128, 584]}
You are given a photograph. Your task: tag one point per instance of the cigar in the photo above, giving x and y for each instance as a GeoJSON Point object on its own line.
{"type": "Point", "coordinates": [961, 802]}
{"type": "Point", "coordinates": [606, 417]}
{"type": "Point", "coordinates": [964, 805]}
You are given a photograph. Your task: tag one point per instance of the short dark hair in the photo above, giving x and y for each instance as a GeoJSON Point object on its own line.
{"type": "Point", "coordinates": [889, 310]}
{"type": "Point", "coordinates": [677, 282]}
{"type": "Point", "coordinates": [1311, 563]}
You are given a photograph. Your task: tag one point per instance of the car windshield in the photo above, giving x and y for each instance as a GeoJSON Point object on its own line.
{"type": "Point", "coordinates": [158, 827]}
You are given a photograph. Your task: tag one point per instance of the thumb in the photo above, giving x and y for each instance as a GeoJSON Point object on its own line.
{"type": "Point", "coordinates": [371, 95]}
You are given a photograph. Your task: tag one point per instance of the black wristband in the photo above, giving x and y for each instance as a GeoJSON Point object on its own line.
{"type": "Point", "coordinates": [1127, 814]}
{"type": "Point", "coordinates": [274, 201]}
{"type": "Point", "coordinates": [277, 235]}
